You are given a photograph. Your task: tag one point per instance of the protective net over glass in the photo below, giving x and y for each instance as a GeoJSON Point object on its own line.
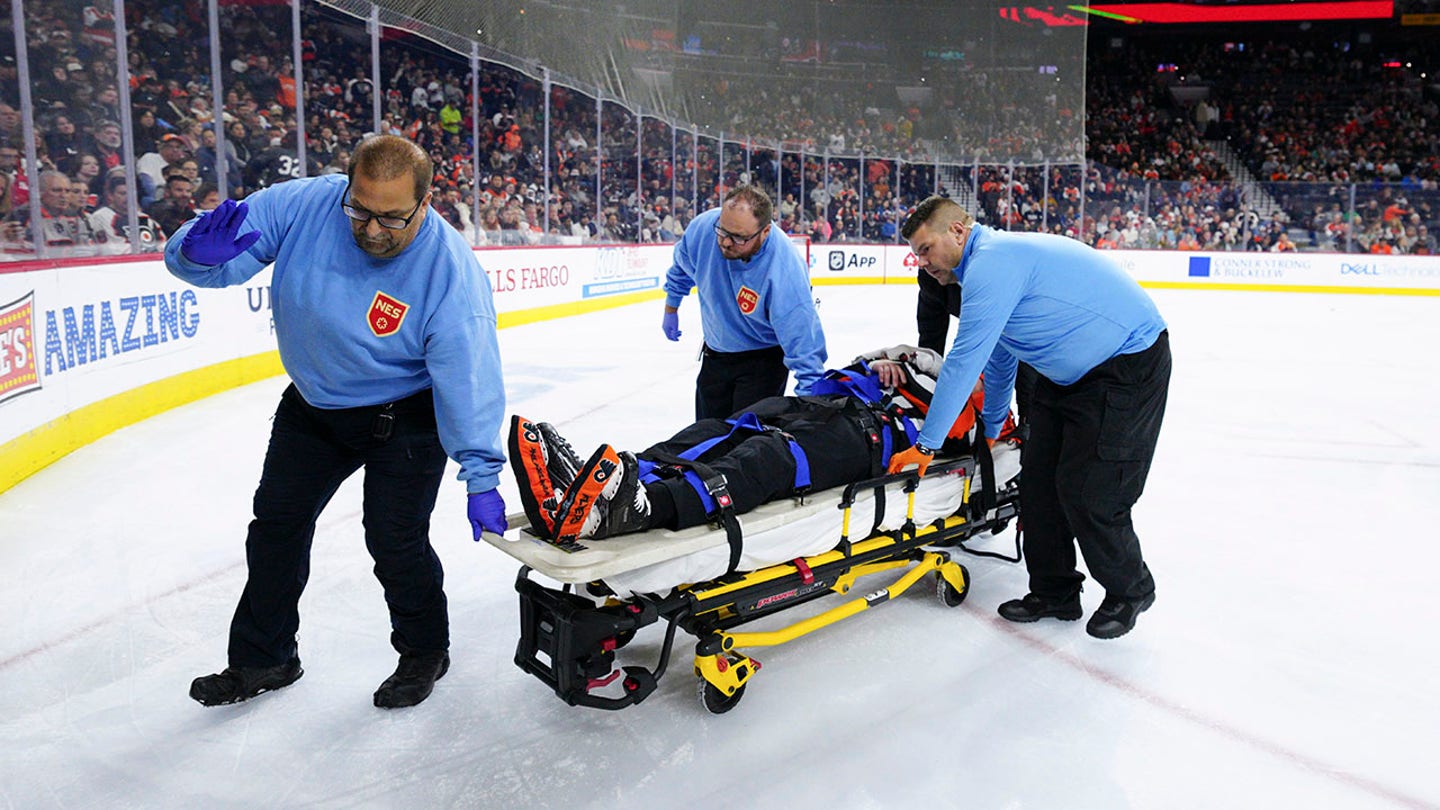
{"type": "Point", "coordinates": [956, 80]}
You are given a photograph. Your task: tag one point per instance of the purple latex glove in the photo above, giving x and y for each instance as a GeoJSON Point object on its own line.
{"type": "Point", "coordinates": [670, 325]}
{"type": "Point", "coordinates": [215, 238]}
{"type": "Point", "coordinates": [487, 512]}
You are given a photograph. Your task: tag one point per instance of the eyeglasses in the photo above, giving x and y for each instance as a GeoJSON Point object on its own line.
{"type": "Point", "coordinates": [362, 216]}
{"type": "Point", "coordinates": [735, 238]}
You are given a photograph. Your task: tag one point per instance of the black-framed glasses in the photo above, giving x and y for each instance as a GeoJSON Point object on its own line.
{"type": "Point", "coordinates": [363, 217]}
{"type": "Point", "coordinates": [735, 238]}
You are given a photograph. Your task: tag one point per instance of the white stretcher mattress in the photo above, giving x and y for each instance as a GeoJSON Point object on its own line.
{"type": "Point", "coordinates": [776, 532]}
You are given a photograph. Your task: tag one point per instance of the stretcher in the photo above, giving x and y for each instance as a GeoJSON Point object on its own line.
{"type": "Point", "coordinates": [794, 551]}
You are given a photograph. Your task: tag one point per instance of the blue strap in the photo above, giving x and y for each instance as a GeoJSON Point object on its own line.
{"type": "Point", "coordinates": [746, 421]}
{"type": "Point", "coordinates": [864, 387]}
{"type": "Point", "coordinates": [802, 465]}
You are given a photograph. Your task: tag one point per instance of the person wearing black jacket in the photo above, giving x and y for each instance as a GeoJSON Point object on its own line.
{"type": "Point", "coordinates": [845, 432]}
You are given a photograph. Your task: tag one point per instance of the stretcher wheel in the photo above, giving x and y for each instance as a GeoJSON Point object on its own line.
{"type": "Point", "coordinates": [947, 593]}
{"type": "Point", "coordinates": [716, 701]}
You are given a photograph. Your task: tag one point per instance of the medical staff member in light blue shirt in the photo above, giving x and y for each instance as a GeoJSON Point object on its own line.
{"type": "Point", "coordinates": [1102, 352]}
{"type": "Point", "coordinates": [387, 329]}
{"type": "Point", "coordinates": [756, 309]}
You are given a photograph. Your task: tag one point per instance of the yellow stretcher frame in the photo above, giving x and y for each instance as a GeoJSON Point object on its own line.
{"type": "Point", "coordinates": [569, 642]}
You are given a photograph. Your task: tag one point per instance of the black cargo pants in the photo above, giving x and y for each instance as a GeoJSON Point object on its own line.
{"type": "Point", "coordinates": [1084, 466]}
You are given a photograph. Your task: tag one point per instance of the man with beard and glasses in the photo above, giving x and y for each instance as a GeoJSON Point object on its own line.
{"type": "Point", "coordinates": [756, 310]}
{"type": "Point", "coordinates": [386, 327]}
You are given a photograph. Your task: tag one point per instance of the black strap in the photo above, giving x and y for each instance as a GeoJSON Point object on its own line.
{"type": "Point", "coordinates": [987, 499]}
{"type": "Point", "coordinates": [875, 432]}
{"type": "Point", "coordinates": [718, 489]}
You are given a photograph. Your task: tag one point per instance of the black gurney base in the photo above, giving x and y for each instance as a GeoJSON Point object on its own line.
{"type": "Point", "coordinates": [569, 642]}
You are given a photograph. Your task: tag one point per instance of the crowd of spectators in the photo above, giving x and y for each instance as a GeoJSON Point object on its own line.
{"type": "Point", "coordinates": [1330, 116]}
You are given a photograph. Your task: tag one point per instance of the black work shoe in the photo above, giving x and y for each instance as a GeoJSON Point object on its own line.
{"type": "Point", "coordinates": [1115, 617]}
{"type": "Point", "coordinates": [413, 680]}
{"type": "Point", "coordinates": [242, 683]}
{"type": "Point", "coordinates": [1033, 607]}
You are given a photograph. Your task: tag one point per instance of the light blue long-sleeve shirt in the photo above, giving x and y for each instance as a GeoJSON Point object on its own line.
{"type": "Point", "coordinates": [323, 290]}
{"type": "Point", "coordinates": [750, 305]}
{"type": "Point", "coordinates": [1057, 304]}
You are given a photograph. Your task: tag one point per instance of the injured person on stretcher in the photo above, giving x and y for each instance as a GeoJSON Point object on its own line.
{"type": "Point", "coordinates": [780, 447]}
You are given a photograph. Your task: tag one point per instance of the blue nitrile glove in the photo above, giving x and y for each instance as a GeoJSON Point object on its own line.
{"type": "Point", "coordinates": [213, 239]}
{"type": "Point", "coordinates": [670, 325]}
{"type": "Point", "coordinates": [487, 512]}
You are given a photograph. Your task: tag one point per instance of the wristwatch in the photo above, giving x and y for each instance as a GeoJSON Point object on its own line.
{"type": "Point", "coordinates": [923, 450]}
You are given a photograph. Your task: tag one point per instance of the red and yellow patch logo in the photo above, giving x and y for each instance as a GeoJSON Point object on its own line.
{"type": "Point", "coordinates": [386, 314]}
{"type": "Point", "coordinates": [747, 299]}
{"type": "Point", "coordinates": [19, 373]}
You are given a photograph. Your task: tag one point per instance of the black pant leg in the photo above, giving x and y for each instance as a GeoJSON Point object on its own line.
{"type": "Point", "coordinates": [402, 480]}
{"type": "Point", "coordinates": [1049, 542]}
{"type": "Point", "coordinates": [304, 465]}
{"type": "Point", "coordinates": [1136, 389]}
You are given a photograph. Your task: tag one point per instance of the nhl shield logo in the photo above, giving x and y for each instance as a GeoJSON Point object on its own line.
{"type": "Point", "coordinates": [386, 314]}
{"type": "Point", "coordinates": [747, 299]}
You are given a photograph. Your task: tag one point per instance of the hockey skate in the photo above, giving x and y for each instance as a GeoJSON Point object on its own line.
{"type": "Point", "coordinates": [606, 499]}
{"type": "Point", "coordinates": [545, 466]}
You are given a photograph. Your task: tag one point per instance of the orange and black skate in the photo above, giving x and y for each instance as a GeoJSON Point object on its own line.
{"type": "Point", "coordinates": [544, 466]}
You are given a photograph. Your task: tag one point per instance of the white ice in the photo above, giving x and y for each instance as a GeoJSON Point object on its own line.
{"type": "Point", "coordinates": [1289, 522]}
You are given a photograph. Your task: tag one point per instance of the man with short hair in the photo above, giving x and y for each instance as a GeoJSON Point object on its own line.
{"type": "Point", "coordinates": [756, 310]}
{"type": "Point", "coordinates": [386, 327]}
{"type": "Point", "coordinates": [9, 122]}
{"type": "Point", "coordinates": [1102, 354]}
{"type": "Point", "coordinates": [113, 220]}
{"type": "Point", "coordinates": [63, 230]}
{"type": "Point", "coordinates": [175, 207]}
{"type": "Point", "coordinates": [207, 197]}
{"type": "Point", "coordinates": [107, 145]}
{"type": "Point", "coordinates": [171, 151]}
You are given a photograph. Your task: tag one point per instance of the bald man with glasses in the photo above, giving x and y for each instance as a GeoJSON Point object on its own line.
{"type": "Point", "coordinates": [756, 310]}
{"type": "Point", "coordinates": [387, 328]}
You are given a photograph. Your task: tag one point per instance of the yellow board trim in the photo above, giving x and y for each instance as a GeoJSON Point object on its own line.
{"type": "Point", "coordinates": [31, 452]}
{"type": "Point", "coordinates": [550, 313]}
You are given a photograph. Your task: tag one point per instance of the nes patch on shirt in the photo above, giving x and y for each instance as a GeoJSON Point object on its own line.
{"type": "Point", "coordinates": [386, 314]}
{"type": "Point", "coordinates": [747, 299]}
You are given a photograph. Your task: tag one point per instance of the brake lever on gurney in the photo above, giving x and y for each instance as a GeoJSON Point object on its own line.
{"type": "Point", "coordinates": [569, 643]}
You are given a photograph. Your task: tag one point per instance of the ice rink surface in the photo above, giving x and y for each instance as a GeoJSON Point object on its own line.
{"type": "Point", "coordinates": [1290, 522]}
